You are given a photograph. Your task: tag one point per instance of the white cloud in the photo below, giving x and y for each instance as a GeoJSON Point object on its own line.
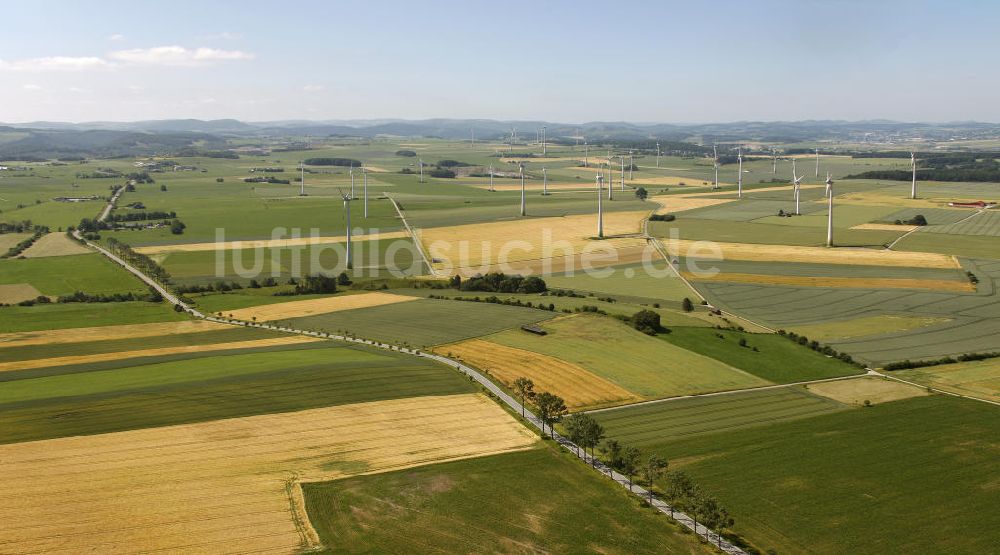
{"type": "Point", "coordinates": [178, 56]}
{"type": "Point", "coordinates": [76, 90]}
{"type": "Point", "coordinates": [135, 88]}
{"type": "Point", "coordinates": [313, 88]}
{"type": "Point", "coordinates": [116, 37]}
{"type": "Point", "coordinates": [31, 87]}
{"type": "Point", "coordinates": [56, 63]}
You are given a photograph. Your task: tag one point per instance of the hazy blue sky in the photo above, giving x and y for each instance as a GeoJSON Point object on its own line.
{"type": "Point", "coordinates": [559, 61]}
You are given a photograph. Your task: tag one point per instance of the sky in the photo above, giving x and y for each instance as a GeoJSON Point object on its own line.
{"type": "Point", "coordinates": [559, 61]}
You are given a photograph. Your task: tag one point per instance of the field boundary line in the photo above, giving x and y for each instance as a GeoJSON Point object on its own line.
{"type": "Point", "coordinates": [727, 392]}
{"type": "Point", "coordinates": [413, 236]}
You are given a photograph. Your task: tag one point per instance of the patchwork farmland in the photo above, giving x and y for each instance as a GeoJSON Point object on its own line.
{"type": "Point", "coordinates": [275, 437]}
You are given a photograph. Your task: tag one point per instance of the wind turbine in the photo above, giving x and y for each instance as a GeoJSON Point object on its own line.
{"type": "Point", "coordinates": [491, 179]}
{"type": "Point", "coordinates": [817, 163]}
{"type": "Point", "coordinates": [352, 181]}
{"type": "Point", "coordinates": [364, 174]}
{"type": "Point", "coordinates": [600, 206]}
{"type": "Point", "coordinates": [302, 180]}
{"type": "Point", "coordinates": [715, 157]}
{"type": "Point", "coordinates": [631, 165]}
{"type": "Point", "coordinates": [347, 217]}
{"type": "Point", "coordinates": [545, 181]}
{"type": "Point", "coordinates": [524, 211]}
{"type": "Point", "coordinates": [829, 211]}
{"type": "Point", "coordinates": [421, 170]}
{"type": "Point", "coordinates": [657, 154]}
{"type": "Point", "coordinates": [795, 185]}
{"type": "Point", "coordinates": [774, 161]}
{"type": "Point", "coordinates": [586, 154]}
{"type": "Point", "coordinates": [739, 177]}
{"type": "Point", "coordinates": [913, 165]}
{"type": "Point", "coordinates": [473, 131]}
{"type": "Point", "coordinates": [543, 141]}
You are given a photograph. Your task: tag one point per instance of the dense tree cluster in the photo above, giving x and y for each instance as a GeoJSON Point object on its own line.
{"type": "Point", "coordinates": [142, 262]}
{"type": "Point", "coordinates": [348, 162]}
{"type": "Point", "coordinates": [406, 153]}
{"type": "Point", "coordinates": [497, 282]}
{"type": "Point", "coordinates": [969, 357]}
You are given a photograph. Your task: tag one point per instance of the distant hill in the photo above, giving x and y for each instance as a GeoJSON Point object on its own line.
{"type": "Point", "coordinates": [101, 139]}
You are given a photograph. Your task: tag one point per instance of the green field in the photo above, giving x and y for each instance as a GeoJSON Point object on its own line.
{"type": "Point", "coordinates": [651, 424]}
{"type": "Point", "coordinates": [966, 322]}
{"type": "Point", "coordinates": [630, 281]}
{"type": "Point", "coordinates": [83, 315]}
{"type": "Point", "coordinates": [63, 275]}
{"type": "Point", "coordinates": [424, 322]}
{"type": "Point", "coordinates": [777, 359]}
{"type": "Point", "coordinates": [198, 389]}
{"type": "Point", "coordinates": [639, 363]}
{"type": "Point", "coordinates": [536, 501]}
{"type": "Point", "coordinates": [911, 476]}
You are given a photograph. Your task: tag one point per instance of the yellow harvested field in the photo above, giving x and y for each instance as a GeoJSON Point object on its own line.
{"type": "Point", "coordinates": [227, 486]}
{"type": "Point", "coordinates": [77, 335]}
{"type": "Point", "coordinates": [54, 244]}
{"type": "Point", "coordinates": [8, 240]}
{"type": "Point", "coordinates": [671, 204]}
{"type": "Point", "coordinates": [119, 355]}
{"type": "Point", "coordinates": [816, 255]}
{"type": "Point", "coordinates": [540, 161]}
{"type": "Point", "coordinates": [265, 243]}
{"type": "Point", "coordinates": [839, 282]}
{"type": "Point", "coordinates": [476, 247]}
{"type": "Point", "coordinates": [869, 198]}
{"type": "Point", "coordinates": [11, 293]}
{"type": "Point", "coordinates": [579, 387]}
{"type": "Point", "coordinates": [788, 188]}
{"type": "Point", "coordinates": [887, 227]}
{"type": "Point", "coordinates": [310, 307]}
{"type": "Point", "coordinates": [858, 390]}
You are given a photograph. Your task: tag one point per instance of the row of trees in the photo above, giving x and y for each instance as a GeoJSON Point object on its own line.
{"type": "Point", "coordinates": [681, 492]}
{"type": "Point", "coordinates": [140, 261]}
{"type": "Point", "coordinates": [498, 282]}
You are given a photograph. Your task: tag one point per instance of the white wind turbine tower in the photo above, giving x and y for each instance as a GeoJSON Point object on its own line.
{"type": "Point", "coordinates": [611, 181]}
{"type": "Point", "coordinates": [739, 178]}
{"type": "Point", "coordinates": [543, 141]}
{"type": "Point", "coordinates": [524, 211]}
{"type": "Point", "coordinates": [631, 165]}
{"type": "Point", "coordinates": [352, 181]}
{"type": "Point", "coordinates": [586, 154]}
{"type": "Point", "coordinates": [600, 206]}
{"type": "Point", "coordinates": [491, 179]}
{"type": "Point", "coordinates": [347, 217]}
{"type": "Point", "coordinates": [473, 131]}
{"type": "Point", "coordinates": [829, 211]}
{"type": "Point", "coordinates": [774, 161]}
{"type": "Point", "coordinates": [657, 154]}
{"type": "Point", "coordinates": [817, 163]}
{"type": "Point", "coordinates": [545, 182]}
{"type": "Point", "coordinates": [302, 180]}
{"type": "Point", "coordinates": [421, 170]}
{"type": "Point", "coordinates": [623, 172]}
{"type": "Point", "coordinates": [364, 174]}
{"type": "Point", "coordinates": [913, 166]}
{"type": "Point", "coordinates": [795, 185]}
{"type": "Point", "coordinates": [715, 157]}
